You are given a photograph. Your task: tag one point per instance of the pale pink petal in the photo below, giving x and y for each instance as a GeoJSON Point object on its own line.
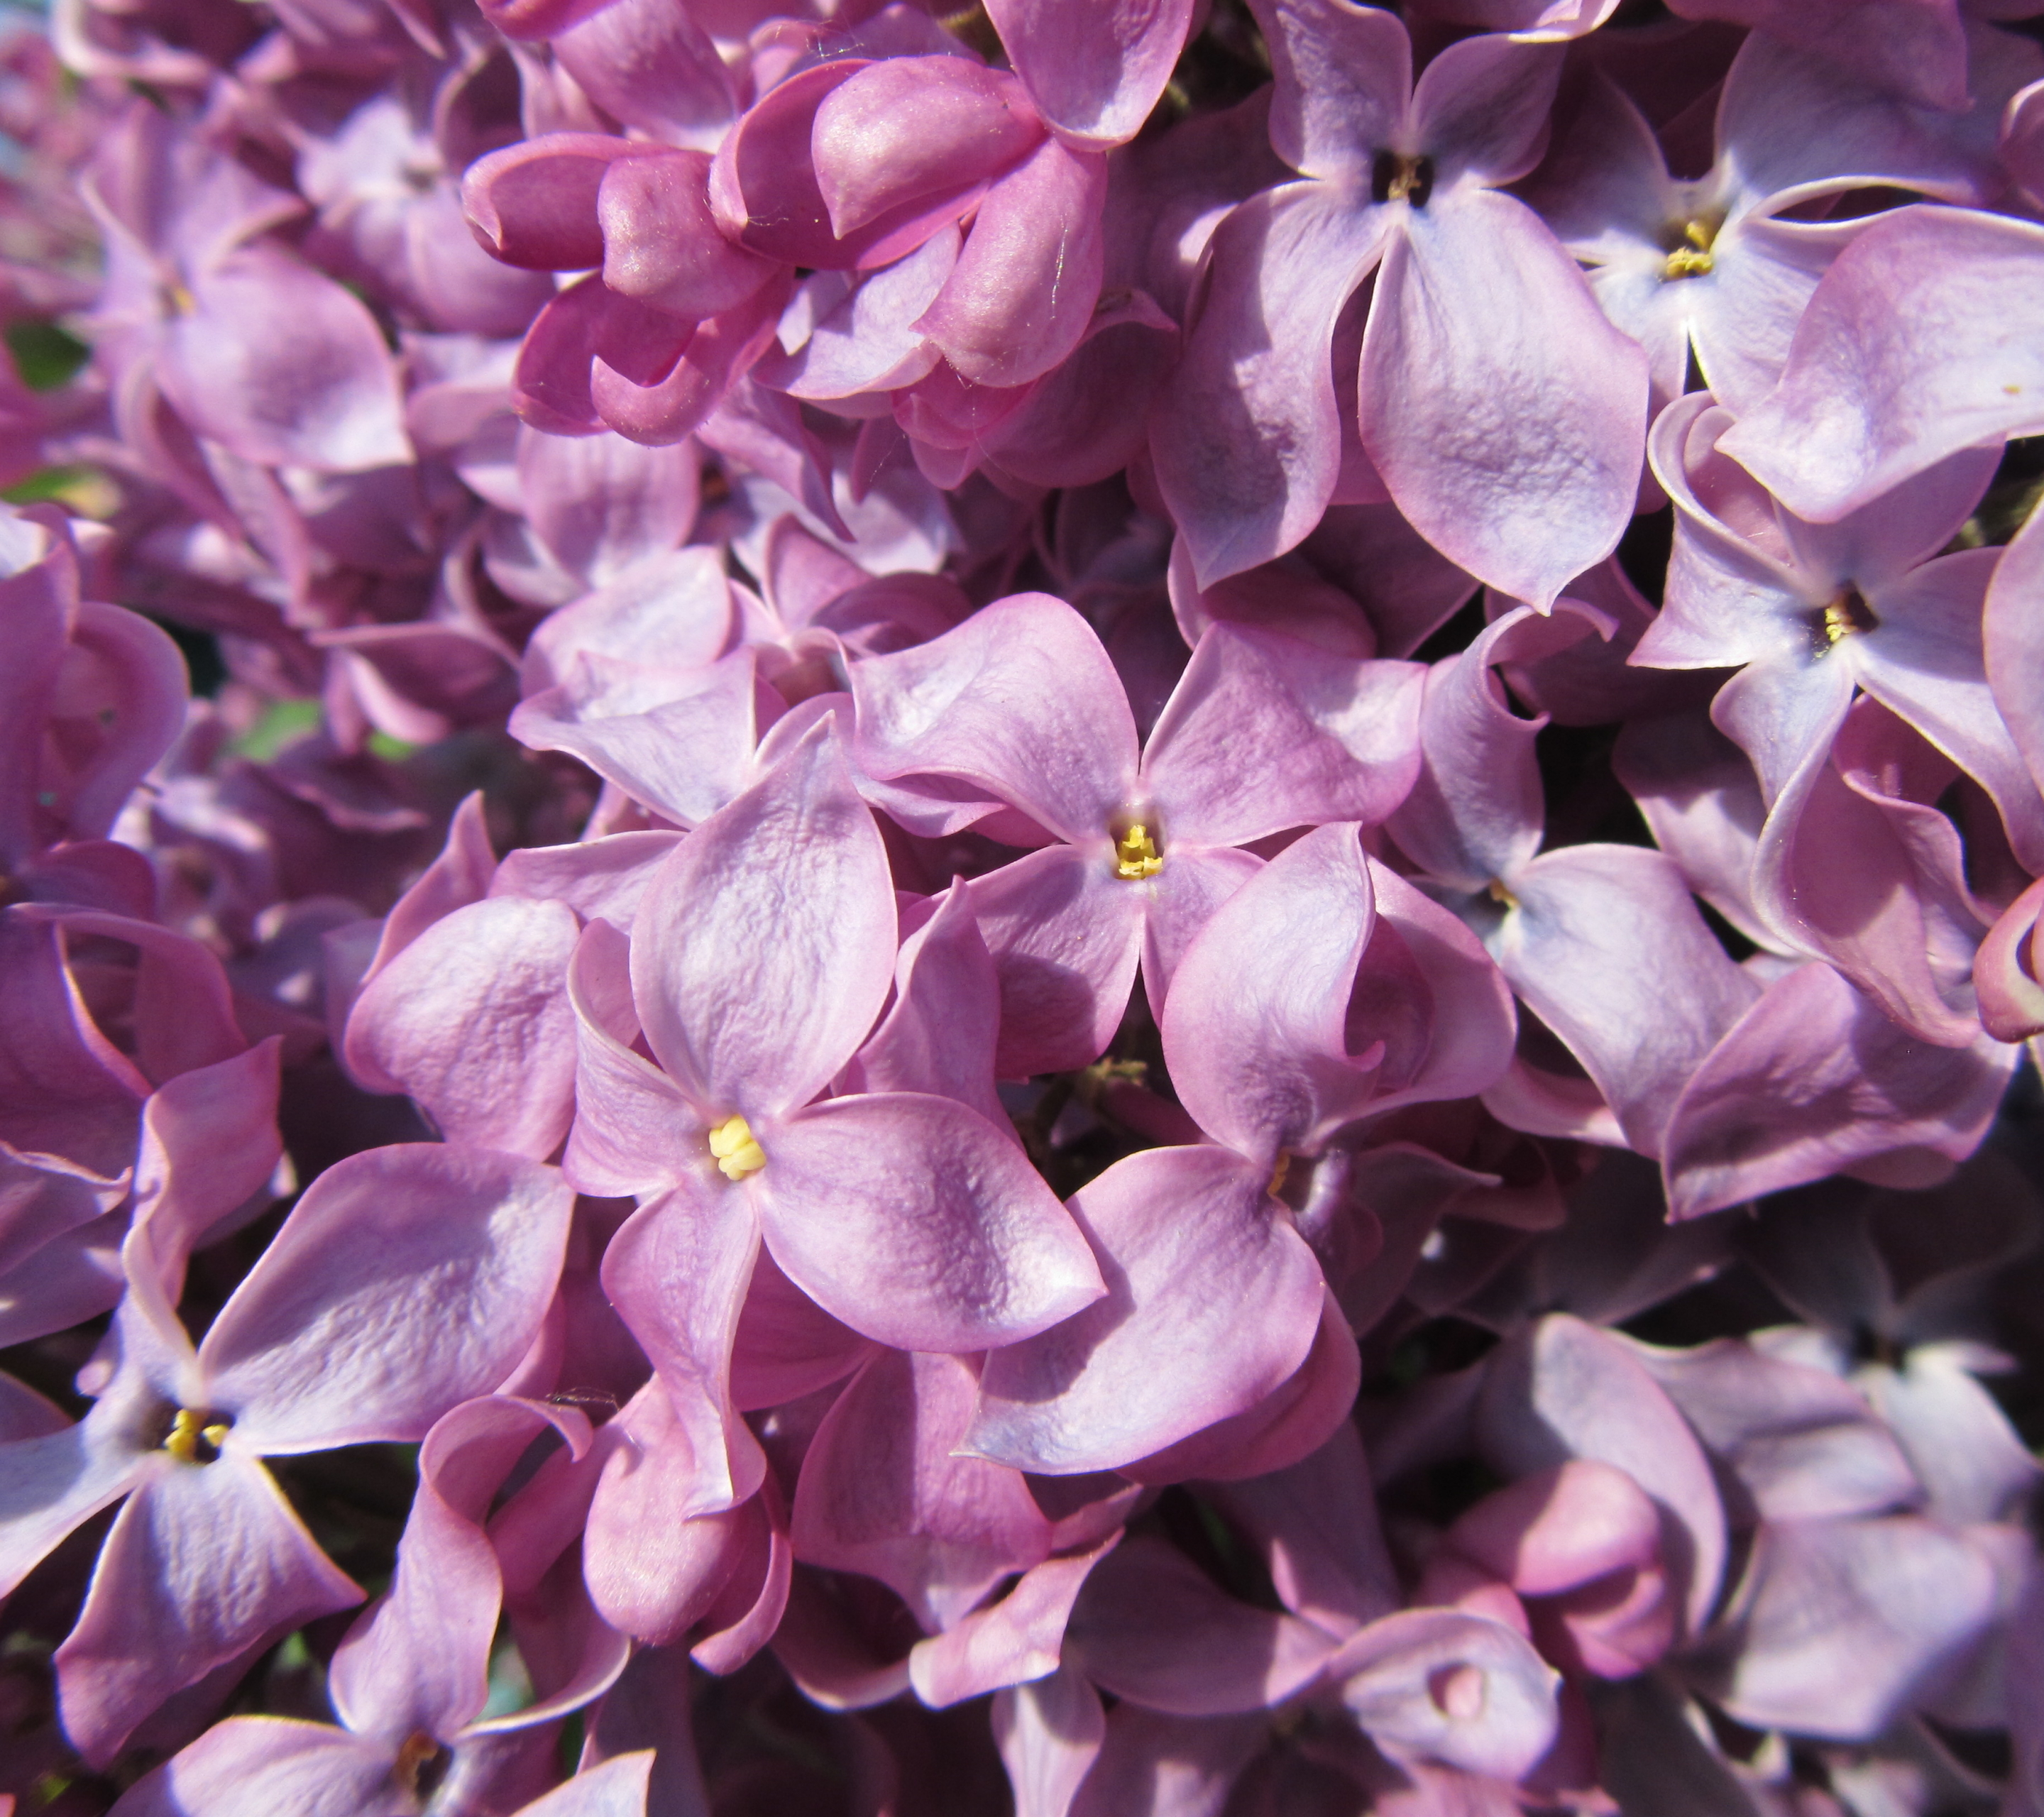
{"type": "Point", "coordinates": [1343, 80]}
{"type": "Point", "coordinates": [919, 1224]}
{"type": "Point", "coordinates": [1094, 71]}
{"type": "Point", "coordinates": [1213, 1301]}
{"type": "Point", "coordinates": [472, 1019]}
{"type": "Point", "coordinates": [1008, 1642]}
{"type": "Point", "coordinates": [340, 1334]}
{"type": "Point", "coordinates": [765, 947]}
{"type": "Point", "coordinates": [1049, 1731]}
{"type": "Point", "coordinates": [205, 1561]}
{"type": "Point", "coordinates": [1506, 413]}
{"type": "Point", "coordinates": [263, 1766]}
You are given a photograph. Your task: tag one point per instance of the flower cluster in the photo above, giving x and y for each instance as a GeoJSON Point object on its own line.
{"type": "Point", "coordinates": [1105, 907]}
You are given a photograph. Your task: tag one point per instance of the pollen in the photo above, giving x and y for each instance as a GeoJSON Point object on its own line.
{"type": "Point", "coordinates": [1401, 176]}
{"type": "Point", "coordinates": [195, 1437]}
{"type": "Point", "coordinates": [1841, 618]}
{"type": "Point", "coordinates": [1136, 855]}
{"type": "Point", "coordinates": [1501, 895]}
{"type": "Point", "coordinates": [1693, 259]}
{"type": "Point", "coordinates": [1277, 1172]}
{"type": "Point", "coordinates": [737, 1150]}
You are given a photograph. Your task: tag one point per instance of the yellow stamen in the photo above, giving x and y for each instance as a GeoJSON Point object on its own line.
{"type": "Point", "coordinates": [195, 1437]}
{"type": "Point", "coordinates": [1694, 259]}
{"type": "Point", "coordinates": [1842, 617]}
{"type": "Point", "coordinates": [1405, 178]}
{"type": "Point", "coordinates": [1502, 897]}
{"type": "Point", "coordinates": [737, 1152]}
{"type": "Point", "coordinates": [416, 1753]}
{"type": "Point", "coordinates": [1135, 855]}
{"type": "Point", "coordinates": [1277, 1172]}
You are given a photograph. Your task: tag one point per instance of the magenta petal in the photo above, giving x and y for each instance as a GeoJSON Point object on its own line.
{"type": "Point", "coordinates": [339, 1335]}
{"type": "Point", "coordinates": [1449, 1687]}
{"type": "Point", "coordinates": [1247, 435]}
{"type": "Point", "coordinates": [882, 1493]}
{"type": "Point", "coordinates": [1506, 413]}
{"type": "Point", "coordinates": [766, 946]}
{"type": "Point", "coordinates": [919, 1224]}
{"type": "Point", "coordinates": [259, 1766]}
{"type": "Point", "coordinates": [1152, 1627]}
{"type": "Point", "coordinates": [1213, 1301]}
{"type": "Point", "coordinates": [1022, 293]}
{"type": "Point", "coordinates": [1094, 70]}
{"type": "Point", "coordinates": [205, 1561]}
{"type": "Point", "coordinates": [909, 128]}
{"type": "Point", "coordinates": [1021, 699]}
{"type": "Point", "coordinates": [473, 1021]}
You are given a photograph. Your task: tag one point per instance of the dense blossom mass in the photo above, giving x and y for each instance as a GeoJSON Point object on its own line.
{"type": "Point", "coordinates": [1093, 908]}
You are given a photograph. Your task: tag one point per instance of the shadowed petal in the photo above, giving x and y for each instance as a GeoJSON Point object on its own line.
{"type": "Point", "coordinates": [1213, 1299]}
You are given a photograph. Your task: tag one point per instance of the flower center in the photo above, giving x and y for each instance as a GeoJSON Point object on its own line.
{"type": "Point", "coordinates": [1692, 258]}
{"type": "Point", "coordinates": [196, 1437]}
{"type": "Point", "coordinates": [1401, 176]}
{"type": "Point", "coordinates": [1499, 894]}
{"type": "Point", "coordinates": [1277, 1172]}
{"type": "Point", "coordinates": [737, 1150]}
{"type": "Point", "coordinates": [1136, 855]}
{"type": "Point", "coordinates": [1847, 613]}
{"type": "Point", "coordinates": [421, 1764]}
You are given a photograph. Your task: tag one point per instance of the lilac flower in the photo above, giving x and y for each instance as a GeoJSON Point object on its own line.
{"type": "Point", "coordinates": [1503, 412]}
{"type": "Point", "coordinates": [1148, 845]}
{"type": "Point", "coordinates": [907, 1216]}
{"type": "Point", "coordinates": [336, 1338]}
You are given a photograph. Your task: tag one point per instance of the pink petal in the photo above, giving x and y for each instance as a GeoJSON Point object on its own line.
{"type": "Point", "coordinates": [1563, 1389]}
{"type": "Point", "coordinates": [1921, 340]}
{"type": "Point", "coordinates": [1021, 296]}
{"type": "Point", "coordinates": [1019, 1638]}
{"type": "Point", "coordinates": [1213, 1301]}
{"type": "Point", "coordinates": [472, 1019]}
{"type": "Point", "coordinates": [258, 1766]}
{"type": "Point", "coordinates": [1049, 1731]}
{"type": "Point", "coordinates": [284, 366]}
{"type": "Point", "coordinates": [617, 1788]}
{"type": "Point", "coordinates": [1452, 1687]}
{"type": "Point", "coordinates": [533, 203]}
{"type": "Point", "coordinates": [1152, 1627]}
{"type": "Point", "coordinates": [766, 946]}
{"type": "Point", "coordinates": [1246, 436]}
{"type": "Point", "coordinates": [1342, 739]}
{"type": "Point", "coordinates": [1864, 1087]}
{"type": "Point", "coordinates": [1341, 84]}
{"type": "Point", "coordinates": [909, 130]}
{"type": "Point", "coordinates": [677, 1273]}
{"type": "Point", "coordinates": [882, 1493]}
{"type": "Point", "coordinates": [340, 1336]}
{"type": "Point", "coordinates": [919, 1224]}
{"type": "Point", "coordinates": [1094, 71]}
{"type": "Point", "coordinates": [1510, 430]}
{"type": "Point", "coordinates": [661, 243]}
{"type": "Point", "coordinates": [1057, 739]}
{"type": "Point", "coordinates": [205, 1561]}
